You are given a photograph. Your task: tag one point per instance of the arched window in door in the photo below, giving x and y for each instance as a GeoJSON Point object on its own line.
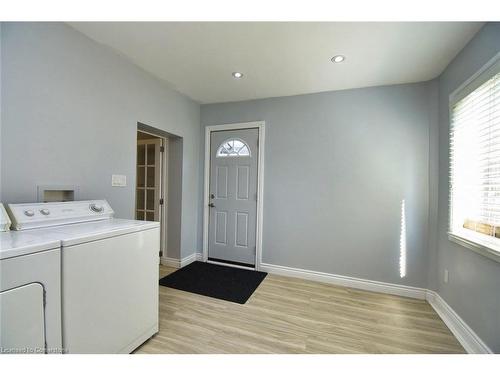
{"type": "Point", "coordinates": [233, 148]}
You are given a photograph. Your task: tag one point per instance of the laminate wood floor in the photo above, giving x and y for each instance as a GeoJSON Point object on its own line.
{"type": "Point", "coordinates": [288, 315]}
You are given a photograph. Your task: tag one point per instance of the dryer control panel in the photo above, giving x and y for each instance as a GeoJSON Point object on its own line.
{"type": "Point", "coordinates": [4, 220]}
{"type": "Point", "coordinates": [40, 215]}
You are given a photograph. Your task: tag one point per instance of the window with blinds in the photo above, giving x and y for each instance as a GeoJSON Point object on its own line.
{"type": "Point", "coordinates": [475, 161]}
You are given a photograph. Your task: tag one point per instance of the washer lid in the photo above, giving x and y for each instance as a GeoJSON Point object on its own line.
{"type": "Point", "coordinates": [4, 219]}
{"type": "Point", "coordinates": [97, 230]}
{"type": "Point", "coordinates": [13, 244]}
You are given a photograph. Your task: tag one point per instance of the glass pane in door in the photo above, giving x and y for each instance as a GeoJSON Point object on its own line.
{"type": "Point", "coordinates": [151, 177]}
{"type": "Point", "coordinates": [150, 199]}
{"type": "Point", "coordinates": [139, 215]}
{"type": "Point", "coordinates": [139, 204]}
{"type": "Point", "coordinates": [151, 155]}
{"type": "Point", "coordinates": [141, 154]}
{"type": "Point", "coordinates": [141, 176]}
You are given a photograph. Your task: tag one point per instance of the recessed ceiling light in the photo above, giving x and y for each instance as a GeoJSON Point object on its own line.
{"type": "Point", "coordinates": [338, 58]}
{"type": "Point", "coordinates": [237, 75]}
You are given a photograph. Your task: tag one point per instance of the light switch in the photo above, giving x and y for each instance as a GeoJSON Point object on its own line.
{"type": "Point", "coordinates": [118, 180]}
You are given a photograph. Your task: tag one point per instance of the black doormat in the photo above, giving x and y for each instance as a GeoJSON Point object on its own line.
{"type": "Point", "coordinates": [212, 280]}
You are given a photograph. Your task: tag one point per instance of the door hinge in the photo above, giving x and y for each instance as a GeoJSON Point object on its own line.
{"type": "Point", "coordinates": [162, 148]}
{"type": "Point", "coordinates": [44, 298]}
{"type": "Point", "coordinates": [161, 253]}
{"type": "Point", "coordinates": [161, 201]}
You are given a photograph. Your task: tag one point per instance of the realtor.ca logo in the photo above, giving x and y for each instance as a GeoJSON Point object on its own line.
{"type": "Point", "coordinates": [30, 350]}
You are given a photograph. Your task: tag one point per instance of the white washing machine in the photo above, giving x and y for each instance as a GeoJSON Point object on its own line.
{"type": "Point", "coordinates": [109, 273]}
{"type": "Point", "coordinates": [30, 291]}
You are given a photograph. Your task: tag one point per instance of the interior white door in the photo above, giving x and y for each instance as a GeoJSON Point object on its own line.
{"type": "Point", "coordinates": [233, 196]}
{"type": "Point", "coordinates": [148, 190]}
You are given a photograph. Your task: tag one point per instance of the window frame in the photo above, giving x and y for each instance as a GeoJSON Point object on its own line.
{"type": "Point", "coordinates": [477, 242]}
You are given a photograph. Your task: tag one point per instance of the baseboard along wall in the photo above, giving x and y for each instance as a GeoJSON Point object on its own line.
{"type": "Point", "coordinates": [179, 263]}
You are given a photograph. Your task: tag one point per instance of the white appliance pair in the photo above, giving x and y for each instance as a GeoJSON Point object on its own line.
{"type": "Point", "coordinates": [97, 277]}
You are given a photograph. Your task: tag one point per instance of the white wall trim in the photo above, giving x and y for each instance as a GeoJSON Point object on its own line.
{"type": "Point", "coordinates": [461, 91]}
{"type": "Point", "coordinates": [260, 125]}
{"type": "Point", "coordinates": [464, 334]}
{"type": "Point", "coordinates": [347, 281]}
{"type": "Point", "coordinates": [179, 263]}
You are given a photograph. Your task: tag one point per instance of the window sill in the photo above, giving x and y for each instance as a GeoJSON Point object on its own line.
{"type": "Point", "coordinates": [476, 243]}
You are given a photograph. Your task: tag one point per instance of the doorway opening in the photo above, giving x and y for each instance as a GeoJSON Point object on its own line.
{"type": "Point", "coordinates": [151, 181]}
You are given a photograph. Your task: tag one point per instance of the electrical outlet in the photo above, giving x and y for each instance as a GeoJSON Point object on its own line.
{"type": "Point", "coordinates": [446, 275]}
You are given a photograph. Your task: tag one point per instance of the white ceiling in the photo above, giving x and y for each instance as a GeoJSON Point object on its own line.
{"type": "Point", "coordinates": [283, 58]}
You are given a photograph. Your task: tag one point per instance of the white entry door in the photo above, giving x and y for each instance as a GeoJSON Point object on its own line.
{"type": "Point", "coordinates": [233, 196]}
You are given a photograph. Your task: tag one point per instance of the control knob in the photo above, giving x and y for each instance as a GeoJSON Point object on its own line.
{"type": "Point", "coordinates": [96, 208]}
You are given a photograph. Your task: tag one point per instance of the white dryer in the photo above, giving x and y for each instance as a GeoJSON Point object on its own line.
{"type": "Point", "coordinates": [30, 291]}
{"type": "Point", "coordinates": [109, 273]}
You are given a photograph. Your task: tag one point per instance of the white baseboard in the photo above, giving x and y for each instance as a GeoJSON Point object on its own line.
{"type": "Point", "coordinates": [347, 281]}
{"type": "Point", "coordinates": [464, 334]}
{"type": "Point", "coordinates": [179, 263]}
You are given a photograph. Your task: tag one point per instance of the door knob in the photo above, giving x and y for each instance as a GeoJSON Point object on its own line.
{"type": "Point", "coordinates": [211, 205]}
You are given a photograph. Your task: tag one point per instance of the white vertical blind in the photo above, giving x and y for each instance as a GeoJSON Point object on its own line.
{"type": "Point", "coordinates": [475, 161]}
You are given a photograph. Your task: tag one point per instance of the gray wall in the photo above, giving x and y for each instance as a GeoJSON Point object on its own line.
{"type": "Point", "coordinates": [1, 26]}
{"type": "Point", "coordinates": [473, 290]}
{"type": "Point", "coordinates": [433, 183]}
{"type": "Point", "coordinates": [174, 205]}
{"type": "Point", "coordinates": [70, 109]}
{"type": "Point", "coordinates": [338, 165]}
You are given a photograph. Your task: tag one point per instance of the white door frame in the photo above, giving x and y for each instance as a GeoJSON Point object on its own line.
{"type": "Point", "coordinates": [260, 125]}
